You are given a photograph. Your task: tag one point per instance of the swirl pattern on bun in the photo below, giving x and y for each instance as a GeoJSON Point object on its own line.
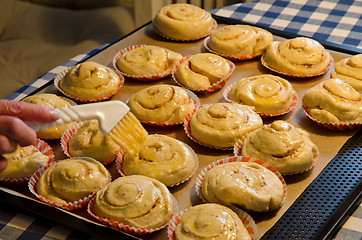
{"type": "Point", "coordinates": [287, 148]}
{"type": "Point", "coordinates": [136, 201]}
{"type": "Point", "coordinates": [183, 22]}
{"type": "Point", "coordinates": [161, 103]}
{"type": "Point", "coordinates": [297, 57]}
{"type": "Point", "coordinates": [350, 70]}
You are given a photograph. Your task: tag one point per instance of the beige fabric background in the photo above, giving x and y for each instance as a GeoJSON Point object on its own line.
{"type": "Point", "coordinates": [36, 38]}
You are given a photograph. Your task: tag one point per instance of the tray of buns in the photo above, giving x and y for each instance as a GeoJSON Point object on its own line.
{"type": "Point", "coordinates": [229, 111]}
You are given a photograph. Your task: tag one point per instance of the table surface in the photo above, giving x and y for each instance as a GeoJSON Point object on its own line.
{"type": "Point", "coordinates": [334, 23]}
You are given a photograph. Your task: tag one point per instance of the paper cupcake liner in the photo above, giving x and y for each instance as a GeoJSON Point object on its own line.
{"type": "Point", "coordinates": [341, 126]}
{"type": "Point", "coordinates": [213, 27]}
{"type": "Point", "coordinates": [200, 178]}
{"type": "Point", "coordinates": [119, 162]}
{"type": "Point", "coordinates": [192, 96]}
{"type": "Point", "coordinates": [188, 131]}
{"type": "Point", "coordinates": [294, 75]}
{"type": "Point", "coordinates": [239, 144]}
{"type": "Point", "coordinates": [230, 57]}
{"type": "Point", "coordinates": [45, 149]}
{"type": "Point", "coordinates": [245, 218]}
{"type": "Point", "coordinates": [214, 87]}
{"type": "Point", "coordinates": [262, 114]}
{"type": "Point", "coordinates": [126, 228]}
{"type": "Point", "coordinates": [60, 77]}
{"type": "Point", "coordinates": [64, 142]}
{"type": "Point", "coordinates": [145, 77]}
{"type": "Point", "coordinates": [67, 206]}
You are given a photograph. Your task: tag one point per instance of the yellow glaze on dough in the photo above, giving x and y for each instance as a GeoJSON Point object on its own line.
{"type": "Point", "coordinates": [89, 141]}
{"type": "Point", "coordinates": [137, 201]}
{"type": "Point", "coordinates": [148, 60]}
{"type": "Point", "coordinates": [210, 221]}
{"type": "Point", "coordinates": [350, 70]}
{"type": "Point", "coordinates": [240, 40]}
{"type": "Point", "coordinates": [221, 124]}
{"type": "Point", "coordinates": [298, 57]}
{"type": "Point", "coordinates": [161, 157]}
{"type": "Point", "coordinates": [201, 70]}
{"type": "Point", "coordinates": [23, 162]}
{"type": "Point", "coordinates": [267, 93]}
{"type": "Point", "coordinates": [72, 179]}
{"type": "Point", "coordinates": [287, 148]}
{"type": "Point", "coordinates": [51, 101]}
{"type": "Point", "coordinates": [183, 22]}
{"type": "Point", "coordinates": [334, 101]}
{"type": "Point", "coordinates": [161, 103]}
{"type": "Point", "coordinates": [246, 185]}
{"type": "Point", "coordinates": [90, 81]}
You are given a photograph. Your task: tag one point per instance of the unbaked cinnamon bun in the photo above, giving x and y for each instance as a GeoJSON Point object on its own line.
{"type": "Point", "coordinates": [350, 70]}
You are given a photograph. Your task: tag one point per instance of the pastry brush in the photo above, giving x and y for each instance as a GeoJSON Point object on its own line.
{"type": "Point", "coordinates": [114, 118]}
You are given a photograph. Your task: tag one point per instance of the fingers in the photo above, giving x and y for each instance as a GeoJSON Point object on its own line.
{"type": "Point", "coordinates": [3, 163]}
{"type": "Point", "coordinates": [27, 111]}
{"type": "Point", "coordinates": [12, 130]}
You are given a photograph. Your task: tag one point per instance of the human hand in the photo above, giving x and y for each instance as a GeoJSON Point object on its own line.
{"type": "Point", "coordinates": [14, 131]}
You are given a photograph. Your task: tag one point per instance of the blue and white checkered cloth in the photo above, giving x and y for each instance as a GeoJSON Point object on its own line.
{"type": "Point", "coordinates": [331, 22]}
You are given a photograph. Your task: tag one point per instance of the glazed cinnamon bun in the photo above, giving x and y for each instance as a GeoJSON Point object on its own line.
{"type": "Point", "coordinates": [72, 179]}
{"type": "Point", "coordinates": [136, 201]}
{"type": "Point", "coordinates": [350, 70]}
{"type": "Point", "coordinates": [183, 22]}
{"type": "Point", "coordinates": [298, 57]}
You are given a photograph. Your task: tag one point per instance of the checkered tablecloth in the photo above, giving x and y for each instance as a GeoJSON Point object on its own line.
{"type": "Point", "coordinates": [336, 23]}
{"type": "Point", "coordinates": [333, 22]}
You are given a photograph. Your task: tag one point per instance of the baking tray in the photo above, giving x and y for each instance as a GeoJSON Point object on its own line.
{"type": "Point", "coordinates": [329, 143]}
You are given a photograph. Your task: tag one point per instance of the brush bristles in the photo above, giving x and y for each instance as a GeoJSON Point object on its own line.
{"type": "Point", "coordinates": [129, 134]}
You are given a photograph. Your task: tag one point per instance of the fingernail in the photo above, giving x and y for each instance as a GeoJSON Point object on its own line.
{"type": "Point", "coordinates": [54, 114]}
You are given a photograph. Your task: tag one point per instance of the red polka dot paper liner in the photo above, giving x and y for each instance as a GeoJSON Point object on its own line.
{"type": "Point", "coordinates": [245, 218]}
{"type": "Point", "coordinates": [213, 27]}
{"type": "Point", "coordinates": [192, 96]}
{"type": "Point", "coordinates": [230, 57]}
{"type": "Point", "coordinates": [145, 77]}
{"type": "Point", "coordinates": [119, 162]}
{"type": "Point", "coordinates": [212, 88]}
{"type": "Point", "coordinates": [61, 76]}
{"type": "Point", "coordinates": [200, 178]}
{"type": "Point", "coordinates": [294, 75]}
{"type": "Point", "coordinates": [71, 206]}
{"type": "Point", "coordinates": [338, 127]}
{"type": "Point", "coordinates": [45, 149]}
{"type": "Point", "coordinates": [262, 114]}
{"type": "Point", "coordinates": [126, 228]}
{"type": "Point", "coordinates": [187, 130]}
{"type": "Point", "coordinates": [239, 145]}
{"type": "Point", "coordinates": [67, 135]}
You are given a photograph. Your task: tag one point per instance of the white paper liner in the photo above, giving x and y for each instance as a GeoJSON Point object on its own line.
{"type": "Point", "coordinates": [188, 130]}
{"type": "Point", "coordinates": [61, 76]}
{"type": "Point", "coordinates": [119, 162]}
{"type": "Point", "coordinates": [294, 75]}
{"type": "Point", "coordinates": [145, 77]}
{"type": "Point", "coordinates": [67, 206]}
{"type": "Point", "coordinates": [200, 178]}
{"type": "Point", "coordinates": [45, 149]}
{"type": "Point", "coordinates": [212, 88]}
{"type": "Point", "coordinates": [213, 27]}
{"type": "Point", "coordinates": [231, 57]}
{"type": "Point", "coordinates": [192, 96]}
{"type": "Point", "coordinates": [126, 228]}
{"type": "Point", "coordinates": [64, 143]}
{"type": "Point", "coordinates": [341, 126]}
{"type": "Point", "coordinates": [262, 114]}
{"type": "Point", "coordinates": [239, 144]}
{"type": "Point", "coordinates": [245, 218]}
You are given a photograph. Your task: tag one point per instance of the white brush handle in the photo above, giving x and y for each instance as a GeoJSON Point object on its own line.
{"type": "Point", "coordinates": [107, 113]}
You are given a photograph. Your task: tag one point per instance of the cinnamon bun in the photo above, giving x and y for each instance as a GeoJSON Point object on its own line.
{"type": "Point", "coordinates": [350, 70]}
